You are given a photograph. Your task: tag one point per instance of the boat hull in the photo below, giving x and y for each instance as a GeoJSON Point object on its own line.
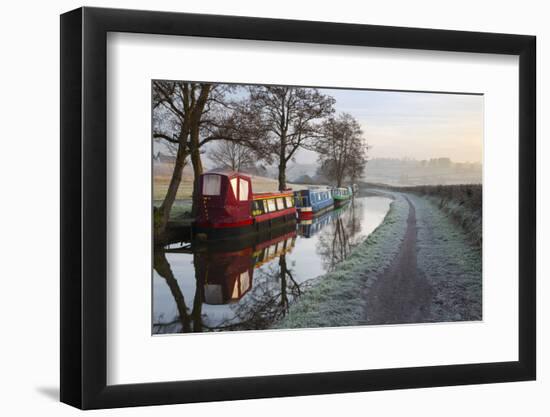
{"type": "Point", "coordinates": [339, 202]}
{"type": "Point", "coordinates": [212, 232]}
{"type": "Point", "coordinates": [308, 213]}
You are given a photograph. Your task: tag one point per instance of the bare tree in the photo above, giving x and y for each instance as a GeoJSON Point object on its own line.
{"type": "Point", "coordinates": [232, 155]}
{"type": "Point", "coordinates": [186, 116]}
{"type": "Point", "coordinates": [286, 118]}
{"type": "Point", "coordinates": [342, 149]}
{"type": "Point", "coordinates": [177, 111]}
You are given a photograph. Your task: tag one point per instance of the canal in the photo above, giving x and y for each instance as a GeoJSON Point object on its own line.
{"type": "Point", "coordinates": [250, 283]}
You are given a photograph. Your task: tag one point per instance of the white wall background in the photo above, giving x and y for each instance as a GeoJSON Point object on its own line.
{"type": "Point", "coordinates": [29, 225]}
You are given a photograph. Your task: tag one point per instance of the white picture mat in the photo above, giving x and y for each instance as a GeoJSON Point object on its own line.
{"type": "Point", "coordinates": [134, 356]}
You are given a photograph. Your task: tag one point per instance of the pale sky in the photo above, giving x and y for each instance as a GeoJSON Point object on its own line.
{"type": "Point", "coordinates": [415, 125]}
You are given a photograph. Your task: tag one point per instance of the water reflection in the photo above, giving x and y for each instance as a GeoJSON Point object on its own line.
{"type": "Point", "coordinates": [228, 274]}
{"type": "Point", "coordinates": [250, 283]}
{"type": "Point", "coordinates": [269, 299]}
{"type": "Point", "coordinates": [187, 321]}
{"type": "Point", "coordinates": [341, 235]}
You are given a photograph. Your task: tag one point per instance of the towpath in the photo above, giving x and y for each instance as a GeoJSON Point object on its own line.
{"type": "Point", "coordinates": [401, 294]}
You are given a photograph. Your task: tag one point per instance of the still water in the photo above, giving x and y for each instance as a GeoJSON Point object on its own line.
{"type": "Point", "coordinates": [250, 283]}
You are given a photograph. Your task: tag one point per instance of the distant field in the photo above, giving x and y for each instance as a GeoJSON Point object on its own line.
{"type": "Point", "coordinates": [416, 180]}
{"type": "Point", "coordinates": [160, 187]}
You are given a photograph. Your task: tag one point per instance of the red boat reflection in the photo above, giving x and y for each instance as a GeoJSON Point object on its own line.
{"type": "Point", "coordinates": [226, 271]}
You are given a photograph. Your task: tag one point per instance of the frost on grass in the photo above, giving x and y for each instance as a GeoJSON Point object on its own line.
{"type": "Point", "coordinates": [450, 262]}
{"type": "Point", "coordinates": [337, 298]}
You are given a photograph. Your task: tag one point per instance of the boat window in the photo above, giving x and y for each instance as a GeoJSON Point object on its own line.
{"type": "Point", "coordinates": [280, 204]}
{"type": "Point", "coordinates": [266, 206]}
{"type": "Point", "coordinates": [271, 205]}
{"type": "Point", "coordinates": [211, 185]}
{"type": "Point", "coordinates": [257, 208]}
{"type": "Point", "coordinates": [289, 202]}
{"type": "Point", "coordinates": [243, 190]}
{"type": "Point", "coordinates": [233, 182]}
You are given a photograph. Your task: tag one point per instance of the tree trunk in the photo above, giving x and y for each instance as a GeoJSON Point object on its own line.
{"type": "Point", "coordinates": [282, 176]}
{"type": "Point", "coordinates": [162, 213]}
{"type": "Point", "coordinates": [282, 163]}
{"type": "Point", "coordinates": [197, 167]}
{"type": "Point", "coordinates": [194, 145]}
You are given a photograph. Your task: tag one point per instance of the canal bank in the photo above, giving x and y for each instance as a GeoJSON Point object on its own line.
{"type": "Point", "coordinates": [417, 266]}
{"type": "Point", "coordinates": [336, 298]}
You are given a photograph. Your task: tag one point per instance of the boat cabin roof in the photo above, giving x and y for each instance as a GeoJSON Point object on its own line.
{"type": "Point", "coordinates": [227, 173]}
{"type": "Point", "coordinates": [286, 193]}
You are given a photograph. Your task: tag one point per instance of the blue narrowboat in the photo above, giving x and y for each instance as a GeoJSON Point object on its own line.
{"type": "Point", "coordinates": [312, 202]}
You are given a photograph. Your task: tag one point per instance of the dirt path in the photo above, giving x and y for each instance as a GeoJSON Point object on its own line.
{"type": "Point", "coordinates": [402, 293]}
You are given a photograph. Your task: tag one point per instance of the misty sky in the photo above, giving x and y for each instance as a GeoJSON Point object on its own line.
{"type": "Point", "coordinates": [415, 125]}
{"type": "Point", "coordinates": [411, 125]}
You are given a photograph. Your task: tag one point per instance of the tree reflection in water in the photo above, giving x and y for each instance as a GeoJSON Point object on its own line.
{"type": "Point", "coordinates": [254, 282]}
{"type": "Point", "coordinates": [269, 299]}
{"type": "Point", "coordinates": [186, 321]}
{"type": "Point", "coordinates": [340, 235]}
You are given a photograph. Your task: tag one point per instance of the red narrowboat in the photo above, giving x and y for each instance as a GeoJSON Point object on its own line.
{"type": "Point", "coordinates": [228, 207]}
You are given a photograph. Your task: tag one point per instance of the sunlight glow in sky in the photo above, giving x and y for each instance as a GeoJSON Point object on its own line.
{"type": "Point", "coordinates": [416, 125]}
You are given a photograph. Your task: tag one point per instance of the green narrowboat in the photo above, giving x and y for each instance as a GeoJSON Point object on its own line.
{"type": "Point", "coordinates": [341, 195]}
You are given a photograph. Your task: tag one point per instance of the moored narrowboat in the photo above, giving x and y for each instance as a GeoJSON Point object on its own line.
{"type": "Point", "coordinates": [228, 207]}
{"type": "Point", "coordinates": [341, 195]}
{"type": "Point", "coordinates": [312, 202]}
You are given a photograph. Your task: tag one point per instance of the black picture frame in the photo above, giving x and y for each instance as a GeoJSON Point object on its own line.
{"type": "Point", "coordinates": [84, 207]}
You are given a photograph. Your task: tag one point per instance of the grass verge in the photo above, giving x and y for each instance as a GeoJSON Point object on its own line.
{"type": "Point", "coordinates": [450, 262]}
